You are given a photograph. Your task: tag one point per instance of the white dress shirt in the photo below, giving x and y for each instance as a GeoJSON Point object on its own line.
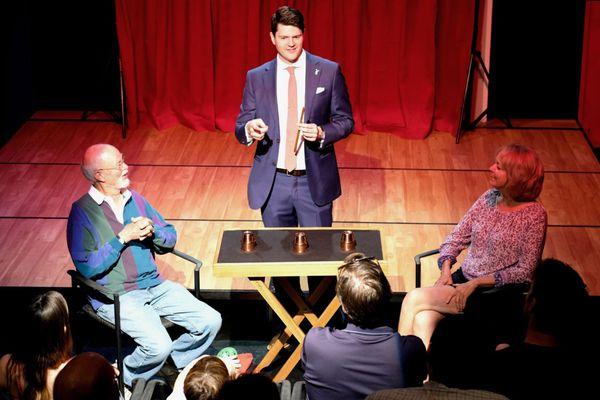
{"type": "Point", "coordinates": [283, 77]}
{"type": "Point", "coordinates": [118, 210]}
{"type": "Point", "coordinates": [282, 81]}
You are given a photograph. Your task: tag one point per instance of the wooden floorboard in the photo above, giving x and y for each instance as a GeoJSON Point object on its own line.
{"type": "Point", "coordinates": [369, 195]}
{"type": "Point", "coordinates": [64, 142]}
{"type": "Point", "coordinates": [414, 191]}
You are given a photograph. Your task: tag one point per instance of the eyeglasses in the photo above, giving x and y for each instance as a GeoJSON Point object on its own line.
{"type": "Point", "coordinates": [120, 166]}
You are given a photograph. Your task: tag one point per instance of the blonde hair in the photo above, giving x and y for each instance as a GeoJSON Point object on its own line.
{"type": "Point", "coordinates": [524, 170]}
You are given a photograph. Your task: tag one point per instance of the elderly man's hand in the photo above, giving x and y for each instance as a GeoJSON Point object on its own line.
{"type": "Point", "coordinates": [139, 228]}
{"type": "Point", "coordinates": [146, 226]}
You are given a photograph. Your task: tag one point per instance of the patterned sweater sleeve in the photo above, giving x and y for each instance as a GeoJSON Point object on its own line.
{"type": "Point", "coordinates": [90, 257]}
{"type": "Point", "coordinates": [460, 237]}
{"type": "Point", "coordinates": [533, 233]}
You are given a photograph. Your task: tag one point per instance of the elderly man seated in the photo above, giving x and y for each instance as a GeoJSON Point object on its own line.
{"type": "Point", "coordinates": [112, 234]}
{"type": "Point", "coordinates": [367, 355]}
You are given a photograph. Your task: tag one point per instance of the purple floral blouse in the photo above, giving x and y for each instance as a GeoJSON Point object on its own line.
{"type": "Point", "coordinates": [507, 244]}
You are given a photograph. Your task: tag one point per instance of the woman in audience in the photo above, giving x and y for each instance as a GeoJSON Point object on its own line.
{"type": "Point", "coordinates": [504, 231]}
{"type": "Point", "coordinates": [43, 348]}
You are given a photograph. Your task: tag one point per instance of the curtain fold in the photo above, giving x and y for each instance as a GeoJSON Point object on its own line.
{"type": "Point", "coordinates": [405, 61]}
{"type": "Point", "coordinates": [589, 92]}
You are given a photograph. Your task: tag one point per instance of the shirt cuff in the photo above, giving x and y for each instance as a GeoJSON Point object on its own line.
{"type": "Point", "coordinates": [444, 258]}
{"type": "Point", "coordinates": [116, 243]}
{"type": "Point", "coordinates": [322, 141]}
{"type": "Point", "coordinates": [249, 139]}
{"type": "Point", "coordinates": [498, 280]}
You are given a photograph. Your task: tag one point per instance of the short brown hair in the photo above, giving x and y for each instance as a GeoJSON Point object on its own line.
{"type": "Point", "coordinates": [205, 379]}
{"type": "Point", "coordinates": [363, 290]}
{"type": "Point", "coordinates": [524, 170]}
{"type": "Point", "coordinates": [286, 15]}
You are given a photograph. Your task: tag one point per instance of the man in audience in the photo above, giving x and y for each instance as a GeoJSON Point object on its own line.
{"type": "Point", "coordinates": [113, 233]}
{"type": "Point", "coordinates": [560, 341]}
{"type": "Point", "coordinates": [367, 355]}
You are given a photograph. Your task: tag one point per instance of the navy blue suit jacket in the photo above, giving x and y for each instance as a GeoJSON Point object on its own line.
{"type": "Point", "coordinates": [329, 109]}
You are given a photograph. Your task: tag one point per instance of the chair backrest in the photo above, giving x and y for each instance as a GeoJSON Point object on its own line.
{"type": "Point", "coordinates": [285, 389]}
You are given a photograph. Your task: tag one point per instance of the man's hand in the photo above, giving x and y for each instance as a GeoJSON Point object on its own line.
{"type": "Point", "coordinates": [310, 132]}
{"type": "Point", "coordinates": [257, 129]}
{"type": "Point", "coordinates": [461, 294]}
{"type": "Point", "coordinates": [139, 228]}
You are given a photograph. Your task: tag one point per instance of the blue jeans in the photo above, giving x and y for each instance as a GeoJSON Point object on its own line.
{"type": "Point", "coordinates": [140, 319]}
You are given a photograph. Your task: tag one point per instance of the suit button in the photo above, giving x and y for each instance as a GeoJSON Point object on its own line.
{"type": "Point", "coordinates": [274, 163]}
{"type": "Point", "coordinates": [278, 140]}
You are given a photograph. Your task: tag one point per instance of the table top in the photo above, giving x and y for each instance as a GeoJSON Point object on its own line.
{"type": "Point", "coordinates": [273, 255]}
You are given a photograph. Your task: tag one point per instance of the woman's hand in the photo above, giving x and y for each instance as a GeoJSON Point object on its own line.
{"type": "Point", "coordinates": [460, 295]}
{"type": "Point", "coordinates": [446, 277]}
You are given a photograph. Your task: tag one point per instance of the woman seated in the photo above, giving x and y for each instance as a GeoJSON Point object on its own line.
{"type": "Point", "coordinates": [504, 230]}
{"type": "Point", "coordinates": [43, 348]}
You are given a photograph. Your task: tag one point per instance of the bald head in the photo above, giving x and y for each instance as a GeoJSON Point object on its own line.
{"type": "Point", "coordinates": [94, 158]}
{"type": "Point", "coordinates": [104, 166]}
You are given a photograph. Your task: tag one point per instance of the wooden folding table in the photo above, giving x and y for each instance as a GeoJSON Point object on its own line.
{"type": "Point", "coordinates": [274, 257]}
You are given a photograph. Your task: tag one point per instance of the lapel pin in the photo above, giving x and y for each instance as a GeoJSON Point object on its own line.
{"type": "Point", "coordinates": [316, 72]}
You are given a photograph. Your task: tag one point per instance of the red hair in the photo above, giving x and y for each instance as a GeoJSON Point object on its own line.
{"type": "Point", "coordinates": [524, 171]}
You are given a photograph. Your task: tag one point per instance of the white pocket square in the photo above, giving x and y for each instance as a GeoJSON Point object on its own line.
{"type": "Point", "coordinates": [320, 89]}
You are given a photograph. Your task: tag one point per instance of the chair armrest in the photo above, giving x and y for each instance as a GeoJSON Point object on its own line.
{"type": "Point", "coordinates": [418, 264]}
{"type": "Point", "coordinates": [89, 285]}
{"type": "Point", "coordinates": [198, 265]}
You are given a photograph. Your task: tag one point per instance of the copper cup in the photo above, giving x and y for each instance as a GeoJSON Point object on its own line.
{"type": "Point", "coordinates": [347, 241]}
{"type": "Point", "coordinates": [300, 243]}
{"type": "Point", "coordinates": [248, 241]}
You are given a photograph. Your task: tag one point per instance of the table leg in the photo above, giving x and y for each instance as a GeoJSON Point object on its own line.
{"type": "Point", "coordinates": [292, 325]}
{"type": "Point", "coordinates": [294, 358]}
{"type": "Point", "coordinates": [312, 299]}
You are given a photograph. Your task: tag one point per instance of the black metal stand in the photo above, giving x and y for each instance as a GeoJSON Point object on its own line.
{"type": "Point", "coordinates": [475, 60]}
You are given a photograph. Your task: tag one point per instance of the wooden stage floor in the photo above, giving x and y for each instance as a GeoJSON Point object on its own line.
{"type": "Point", "coordinates": [413, 191]}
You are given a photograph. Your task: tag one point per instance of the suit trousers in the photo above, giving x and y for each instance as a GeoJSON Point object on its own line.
{"type": "Point", "coordinates": [290, 205]}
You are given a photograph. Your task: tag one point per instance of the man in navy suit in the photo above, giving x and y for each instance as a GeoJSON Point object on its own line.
{"type": "Point", "coordinates": [294, 181]}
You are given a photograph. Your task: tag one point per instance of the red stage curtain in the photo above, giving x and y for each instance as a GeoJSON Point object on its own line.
{"type": "Point", "coordinates": [589, 93]}
{"type": "Point", "coordinates": [405, 61]}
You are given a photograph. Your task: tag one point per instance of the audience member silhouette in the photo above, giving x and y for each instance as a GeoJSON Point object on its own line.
{"type": "Point", "coordinates": [249, 386]}
{"type": "Point", "coordinates": [88, 376]}
{"type": "Point", "coordinates": [551, 361]}
{"type": "Point", "coordinates": [42, 348]}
